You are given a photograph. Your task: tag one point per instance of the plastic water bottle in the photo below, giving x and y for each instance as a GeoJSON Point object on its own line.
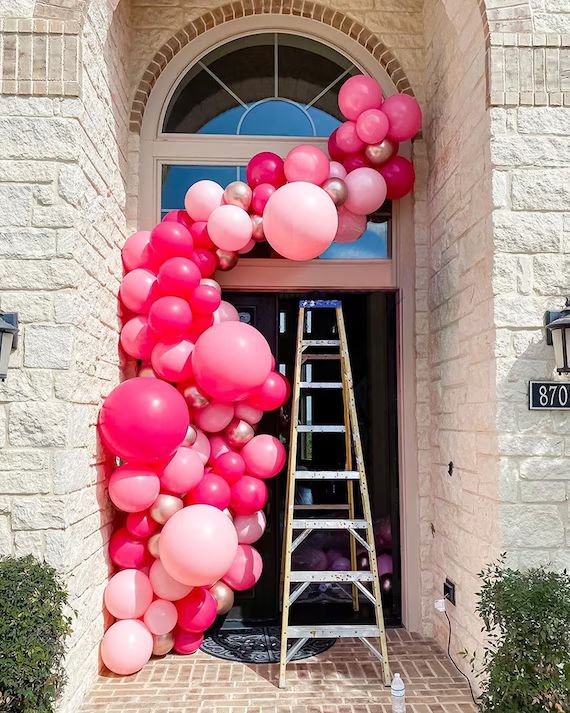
{"type": "Point", "coordinates": [398, 691]}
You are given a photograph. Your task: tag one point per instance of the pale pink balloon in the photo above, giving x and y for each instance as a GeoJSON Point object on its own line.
{"type": "Point", "coordinates": [250, 528]}
{"type": "Point", "coordinates": [264, 456]}
{"type": "Point", "coordinates": [226, 312]}
{"type": "Point", "coordinates": [201, 446]}
{"type": "Point", "coordinates": [229, 227]}
{"type": "Point", "coordinates": [405, 116]}
{"type": "Point", "coordinates": [138, 290]}
{"type": "Point", "coordinates": [137, 252]}
{"type": "Point", "coordinates": [306, 163]}
{"type": "Point", "coordinates": [137, 339]}
{"type": "Point", "coordinates": [247, 248]}
{"type": "Point", "coordinates": [161, 617]}
{"type": "Point", "coordinates": [350, 226]}
{"type": "Point", "coordinates": [358, 94]}
{"type": "Point", "coordinates": [372, 126]}
{"type": "Point", "coordinates": [126, 647]}
{"type": "Point", "coordinates": [300, 221]}
{"type": "Point", "coordinates": [171, 361]}
{"type": "Point", "coordinates": [128, 594]}
{"type": "Point", "coordinates": [347, 139]}
{"type": "Point", "coordinates": [182, 472]}
{"type": "Point", "coordinates": [165, 586]}
{"type": "Point", "coordinates": [336, 170]}
{"type": "Point", "coordinates": [366, 191]}
{"type": "Point", "coordinates": [245, 569]}
{"type": "Point", "coordinates": [213, 547]}
{"type": "Point", "coordinates": [133, 488]}
{"type": "Point", "coordinates": [202, 198]}
{"type": "Point", "coordinates": [215, 417]}
{"type": "Point", "coordinates": [248, 413]}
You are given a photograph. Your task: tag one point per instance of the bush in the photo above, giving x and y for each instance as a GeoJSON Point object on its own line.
{"type": "Point", "coordinates": [33, 629]}
{"type": "Point", "coordinates": [526, 663]}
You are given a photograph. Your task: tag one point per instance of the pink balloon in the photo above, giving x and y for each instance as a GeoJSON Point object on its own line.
{"type": "Point", "coordinates": [211, 490]}
{"type": "Point", "coordinates": [358, 94]}
{"type": "Point", "coordinates": [165, 586]}
{"type": "Point", "coordinates": [201, 446]}
{"type": "Point", "coordinates": [245, 569]}
{"type": "Point", "coordinates": [271, 394]}
{"type": "Point", "coordinates": [171, 361]}
{"type": "Point", "coordinates": [300, 221]}
{"type": "Point", "coordinates": [133, 488]}
{"type": "Point", "coordinates": [171, 240]}
{"type": "Point", "coordinates": [250, 528]}
{"type": "Point", "coordinates": [143, 420]}
{"type": "Point", "coordinates": [404, 115]}
{"type": "Point", "coordinates": [161, 617]}
{"type": "Point", "coordinates": [350, 226]}
{"type": "Point", "coordinates": [226, 312]}
{"type": "Point", "coordinates": [126, 551]}
{"type": "Point", "coordinates": [138, 290]}
{"type": "Point", "coordinates": [137, 339]}
{"type": "Point", "coordinates": [182, 472]}
{"type": "Point", "coordinates": [347, 139]}
{"type": "Point", "coordinates": [218, 446]}
{"type": "Point", "coordinates": [366, 191]}
{"type": "Point", "coordinates": [128, 594]}
{"type": "Point", "coordinates": [248, 413]}
{"type": "Point", "coordinates": [214, 417]}
{"type": "Point", "coordinates": [137, 252]}
{"type": "Point", "coordinates": [399, 175]}
{"type": "Point", "coordinates": [355, 160]}
{"type": "Point", "coordinates": [141, 524]}
{"type": "Point", "coordinates": [385, 564]}
{"type": "Point", "coordinates": [178, 216]}
{"type": "Point", "coordinates": [265, 167]}
{"type": "Point", "coordinates": [264, 456]}
{"type": "Point", "coordinates": [248, 495]}
{"type": "Point", "coordinates": [126, 647]}
{"type": "Point", "coordinates": [170, 317]}
{"type": "Point", "coordinates": [306, 163]}
{"type": "Point", "coordinates": [199, 233]}
{"type": "Point", "coordinates": [372, 126]}
{"type": "Point", "coordinates": [214, 544]}
{"type": "Point", "coordinates": [229, 227]}
{"type": "Point", "coordinates": [206, 261]}
{"type": "Point", "coordinates": [340, 564]}
{"type": "Point", "coordinates": [261, 194]}
{"type": "Point", "coordinates": [230, 359]}
{"type": "Point", "coordinates": [248, 248]}
{"type": "Point", "coordinates": [178, 276]}
{"type": "Point", "coordinates": [334, 151]}
{"type": "Point", "coordinates": [197, 611]}
{"type": "Point", "coordinates": [187, 642]}
{"type": "Point", "coordinates": [205, 300]}
{"type": "Point", "coordinates": [231, 466]}
{"type": "Point", "coordinates": [336, 170]}
{"type": "Point", "coordinates": [202, 198]}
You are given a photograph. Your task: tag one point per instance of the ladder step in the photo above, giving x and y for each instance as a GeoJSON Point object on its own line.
{"type": "Point", "coordinates": [331, 631]}
{"type": "Point", "coordinates": [331, 576]}
{"type": "Point", "coordinates": [322, 357]}
{"type": "Point", "coordinates": [326, 475]}
{"type": "Point", "coordinates": [315, 524]}
{"type": "Point", "coordinates": [321, 429]}
{"type": "Point", "coordinates": [320, 384]}
{"type": "Point", "coordinates": [320, 342]}
{"type": "Point", "coordinates": [326, 506]}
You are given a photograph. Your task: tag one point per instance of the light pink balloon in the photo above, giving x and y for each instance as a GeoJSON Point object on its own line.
{"type": "Point", "coordinates": [182, 472]}
{"type": "Point", "coordinates": [350, 226]}
{"type": "Point", "coordinates": [336, 170]}
{"type": "Point", "coordinates": [250, 528]}
{"type": "Point", "coordinates": [161, 617]}
{"type": "Point", "coordinates": [226, 312]}
{"type": "Point", "coordinates": [247, 413]}
{"type": "Point", "coordinates": [366, 191]}
{"type": "Point", "coordinates": [126, 647]}
{"type": "Point", "coordinates": [133, 488]}
{"type": "Point", "coordinates": [215, 417]}
{"type": "Point", "coordinates": [248, 248]}
{"type": "Point", "coordinates": [171, 361]}
{"type": "Point", "coordinates": [306, 163]}
{"type": "Point", "coordinates": [202, 198]}
{"type": "Point", "coordinates": [405, 116]}
{"type": "Point", "coordinates": [229, 227]}
{"type": "Point", "coordinates": [137, 252]}
{"type": "Point", "coordinates": [347, 139]}
{"type": "Point", "coordinates": [358, 94]}
{"type": "Point", "coordinates": [201, 446]}
{"type": "Point", "coordinates": [245, 569]}
{"type": "Point", "coordinates": [165, 586]}
{"type": "Point", "coordinates": [213, 547]}
{"type": "Point", "coordinates": [300, 221]}
{"type": "Point", "coordinates": [264, 456]}
{"type": "Point", "coordinates": [128, 594]}
{"type": "Point", "coordinates": [137, 339]}
{"type": "Point", "coordinates": [138, 290]}
{"type": "Point", "coordinates": [372, 126]}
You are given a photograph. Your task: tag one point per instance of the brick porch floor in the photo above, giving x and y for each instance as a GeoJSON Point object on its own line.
{"type": "Point", "coordinates": [344, 679]}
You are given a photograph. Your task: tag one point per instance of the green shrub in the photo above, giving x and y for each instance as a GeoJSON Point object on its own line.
{"type": "Point", "coordinates": [33, 629]}
{"type": "Point", "coordinates": [526, 662]}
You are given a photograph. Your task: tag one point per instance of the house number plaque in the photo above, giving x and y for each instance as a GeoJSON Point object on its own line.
{"type": "Point", "coordinates": [548, 395]}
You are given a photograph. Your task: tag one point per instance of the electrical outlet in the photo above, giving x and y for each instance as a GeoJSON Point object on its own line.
{"type": "Point", "coordinates": [449, 591]}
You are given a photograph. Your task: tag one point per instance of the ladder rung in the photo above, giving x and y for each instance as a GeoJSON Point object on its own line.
{"type": "Point", "coordinates": [326, 631]}
{"type": "Point", "coordinates": [326, 475]}
{"type": "Point", "coordinates": [329, 524]}
{"type": "Point", "coordinates": [321, 429]}
{"type": "Point", "coordinates": [327, 506]}
{"type": "Point", "coordinates": [331, 576]}
{"type": "Point", "coordinates": [320, 342]}
{"type": "Point", "coordinates": [320, 384]}
{"type": "Point", "coordinates": [310, 357]}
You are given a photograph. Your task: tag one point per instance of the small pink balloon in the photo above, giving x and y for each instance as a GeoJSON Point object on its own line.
{"type": "Point", "coordinates": [178, 276]}
{"type": "Point", "coordinates": [226, 312]}
{"type": "Point", "coordinates": [171, 360]}
{"type": "Point", "coordinates": [206, 261]}
{"type": "Point", "coordinates": [161, 617]}
{"type": "Point", "coordinates": [126, 647]}
{"type": "Point", "coordinates": [141, 524]}
{"type": "Point", "coordinates": [139, 289]}
{"type": "Point", "coordinates": [134, 488]}
{"type": "Point", "coordinates": [350, 226]}
{"type": "Point", "coordinates": [372, 126]}
{"type": "Point", "coordinates": [202, 198]}
{"type": "Point", "coordinates": [229, 227]}
{"type": "Point", "coordinates": [336, 170]}
{"type": "Point", "coordinates": [264, 456]}
{"type": "Point", "coordinates": [205, 300]}
{"type": "Point", "coordinates": [171, 240]}
{"type": "Point", "coordinates": [165, 586]}
{"type": "Point", "coordinates": [245, 569]}
{"type": "Point", "coordinates": [261, 194]}
{"type": "Point", "coordinates": [128, 594]}
{"type": "Point", "coordinates": [197, 611]}
{"type": "Point", "coordinates": [127, 551]}
{"type": "Point", "coordinates": [231, 467]}
{"type": "Point", "coordinates": [399, 175]}
{"type": "Point", "coordinates": [248, 413]}
{"type": "Point", "coordinates": [218, 446]}
{"type": "Point", "coordinates": [334, 151]}
{"type": "Point", "coordinates": [137, 252]}
{"type": "Point", "coordinates": [187, 642]}
{"type": "Point", "coordinates": [347, 139]}
{"type": "Point", "coordinates": [404, 115]}
{"type": "Point", "coordinates": [214, 417]}
{"type": "Point", "coordinates": [211, 490]}
{"type": "Point", "coordinates": [178, 216]}
{"type": "Point", "coordinates": [265, 167]}
{"type": "Point", "coordinates": [306, 163]}
{"type": "Point", "coordinates": [355, 160]}
{"type": "Point", "coordinates": [247, 248]}
{"type": "Point", "coordinates": [272, 394]}
{"type": "Point", "coordinates": [366, 191]}
{"type": "Point", "coordinates": [182, 472]}
{"type": "Point", "coordinates": [201, 446]}
{"type": "Point", "coordinates": [248, 495]}
{"type": "Point", "coordinates": [137, 339]}
{"type": "Point", "coordinates": [250, 528]}
{"type": "Point", "coordinates": [170, 317]}
{"type": "Point", "coordinates": [358, 94]}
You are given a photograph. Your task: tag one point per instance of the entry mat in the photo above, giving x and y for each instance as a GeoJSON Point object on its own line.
{"type": "Point", "coordinates": [257, 645]}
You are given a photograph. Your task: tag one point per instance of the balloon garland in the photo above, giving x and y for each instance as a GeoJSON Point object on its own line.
{"type": "Point", "coordinates": [191, 483]}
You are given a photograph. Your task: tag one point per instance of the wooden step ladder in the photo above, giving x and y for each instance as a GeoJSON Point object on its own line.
{"type": "Point", "coordinates": [360, 530]}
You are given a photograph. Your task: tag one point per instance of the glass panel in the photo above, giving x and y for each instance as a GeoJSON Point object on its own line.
{"type": "Point", "coordinates": [372, 245]}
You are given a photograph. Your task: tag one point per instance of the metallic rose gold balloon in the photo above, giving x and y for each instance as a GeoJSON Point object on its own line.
{"type": "Point", "coordinates": [336, 189]}
{"type": "Point", "coordinates": [239, 433]}
{"type": "Point", "coordinates": [147, 371]}
{"type": "Point", "coordinates": [211, 283]}
{"type": "Point", "coordinates": [227, 259]}
{"type": "Point", "coordinates": [195, 398]}
{"type": "Point", "coordinates": [162, 643]}
{"type": "Point", "coordinates": [257, 222]}
{"type": "Point", "coordinates": [238, 193]}
{"type": "Point", "coordinates": [363, 561]}
{"type": "Point", "coordinates": [191, 436]}
{"type": "Point", "coordinates": [164, 507]}
{"type": "Point", "coordinates": [386, 582]}
{"type": "Point", "coordinates": [152, 545]}
{"type": "Point", "coordinates": [380, 153]}
{"type": "Point", "coordinates": [223, 595]}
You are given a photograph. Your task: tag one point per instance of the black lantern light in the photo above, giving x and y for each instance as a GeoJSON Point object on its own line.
{"type": "Point", "coordinates": [558, 326]}
{"type": "Point", "coordinates": [8, 340]}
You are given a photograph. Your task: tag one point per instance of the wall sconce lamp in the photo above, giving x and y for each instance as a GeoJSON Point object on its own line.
{"type": "Point", "coordinates": [558, 335]}
{"type": "Point", "coordinates": [8, 340]}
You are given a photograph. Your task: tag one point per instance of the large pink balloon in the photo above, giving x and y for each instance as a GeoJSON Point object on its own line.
{"type": "Point", "coordinates": [213, 541]}
{"type": "Point", "coordinates": [171, 360]}
{"type": "Point", "coordinates": [137, 252]}
{"type": "Point", "coordinates": [229, 227]}
{"type": "Point", "coordinates": [399, 175]}
{"type": "Point", "coordinates": [126, 647]}
{"type": "Point", "coordinates": [137, 339]}
{"type": "Point", "coordinates": [202, 198]}
{"type": "Point", "coordinates": [182, 472]}
{"type": "Point", "coordinates": [366, 191]}
{"type": "Point", "coordinates": [306, 163]}
{"type": "Point", "coordinates": [178, 276]}
{"type": "Point", "coordinates": [372, 126]}
{"type": "Point", "coordinates": [358, 94]}
{"type": "Point", "coordinates": [300, 221]}
{"type": "Point", "coordinates": [143, 420]}
{"type": "Point", "coordinates": [350, 226]}
{"type": "Point", "coordinates": [404, 115]}
{"type": "Point", "coordinates": [264, 456]}
{"type": "Point", "coordinates": [133, 488]}
{"type": "Point", "coordinates": [230, 359]}
{"type": "Point", "coordinates": [265, 167]}
{"type": "Point", "coordinates": [128, 594]}
{"type": "Point", "coordinates": [245, 569]}
{"type": "Point", "coordinates": [165, 586]}
{"type": "Point", "coordinates": [161, 617]}
{"type": "Point", "coordinates": [226, 312]}
{"type": "Point", "coordinates": [171, 240]}
{"type": "Point", "coordinates": [214, 417]}
{"type": "Point", "coordinates": [250, 528]}
{"type": "Point", "coordinates": [138, 290]}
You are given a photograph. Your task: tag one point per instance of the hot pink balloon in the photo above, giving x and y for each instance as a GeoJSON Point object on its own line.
{"type": "Point", "coordinates": [366, 191]}
{"type": "Point", "coordinates": [214, 544]}
{"type": "Point", "coordinates": [171, 361]}
{"type": "Point", "coordinates": [230, 359]}
{"type": "Point", "coordinates": [218, 446]}
{"type": "Point", "coordinates": [161, 617]}
{"type": "Point", "coordinates": [128, 594]}
{"type": "Point", "coordinates": [197, 611]}
{"type": "Point", "coordinates": [229, 227]}
{"type": "Point", "coordinates": [358, 94]}
{"type": "Point", "coordinates": [143, 420]}
{"type": "Point", "coordinates": [141, 524]}
{"type": "Point", "coordinates": [399, 175]}
{"type": "Point", "coordinates": [178, 216]}
{"type": "Point", "coordinates": [306, 163]}
{"type": "Point", "coordinates": [336, 170]}
{"type": "Point", "coordinates": [265, 167]}
{"type": "Point", "coordinates": [138, 290]}
{"type": "Point", "coordinates": [300, 221]}
{"type": "Point", "coordinates": [206, 261]}
{"type": "Point", "coordinates": [137, 339]}
{"type": "Point", "coordinates": [205, 300]}
{"type": "Point", "coordinates": [127, 551]}
{"type": "Point", "coordinates": [165, 586]}
{"type": "Point", "coordinates": [261, 194]}
{"type": "Point", "coordinates": [226, 312]}
{"type": "Point", "coordinates": [187, 642]}
{"type": "Point", "coordinates": [250, 528]}
{"type": "Point", "coordinates": [137, 252]}
{"type": "Point", "coordinates": [355, 160]}
{"type": "Point", "coordinates": [170, 317]}
{"type": "Point", "coordinates": [133, 488]}
{"type": "Point", "coordinates": [350, 226]}
{"type": "Point", "coordinates": [372, 126]}
{"type": "Point", "coordinates": [202, 198]}
{"type": "Point", "coordinates": [245, 569]}
{"type": "Point", "coordinates": [199, 233]}
{"type": "Point", "coordinates": [347, 139]}
{"type": "Point", "coordinates": [126, 647]}
{"type": "Point", "coordinates": [171, 240]}
{"type": "Point", "coordinates": [271, 394]}
{"type": "Point", "coordinates": [211, 490]}
{"type": "Point", "coordinates": [231, 466]}
{"type": "Point", "coordinates": [214, 417]}
{"type": "Point", "coordinates": [201, 446]}
{"type": "Point", "coordinates": [264, 456]}
{"type": "Point", "coordinates": [404, 115]}
{"type": "Point", "coordinates": [182, 472]}
{"type": "Point", "coordinates": [334, 151]}
{"type": "Point", "coordinates": [178, 276]}
{"type": "Point", "coordinates": [248, 495]}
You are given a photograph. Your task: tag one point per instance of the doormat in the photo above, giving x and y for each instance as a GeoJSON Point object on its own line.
{"type": "Point", "coordinates": [257, 645]}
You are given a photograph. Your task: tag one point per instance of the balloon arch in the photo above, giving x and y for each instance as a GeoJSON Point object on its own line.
{"type": "Point", "coordinates": [191, 487]}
